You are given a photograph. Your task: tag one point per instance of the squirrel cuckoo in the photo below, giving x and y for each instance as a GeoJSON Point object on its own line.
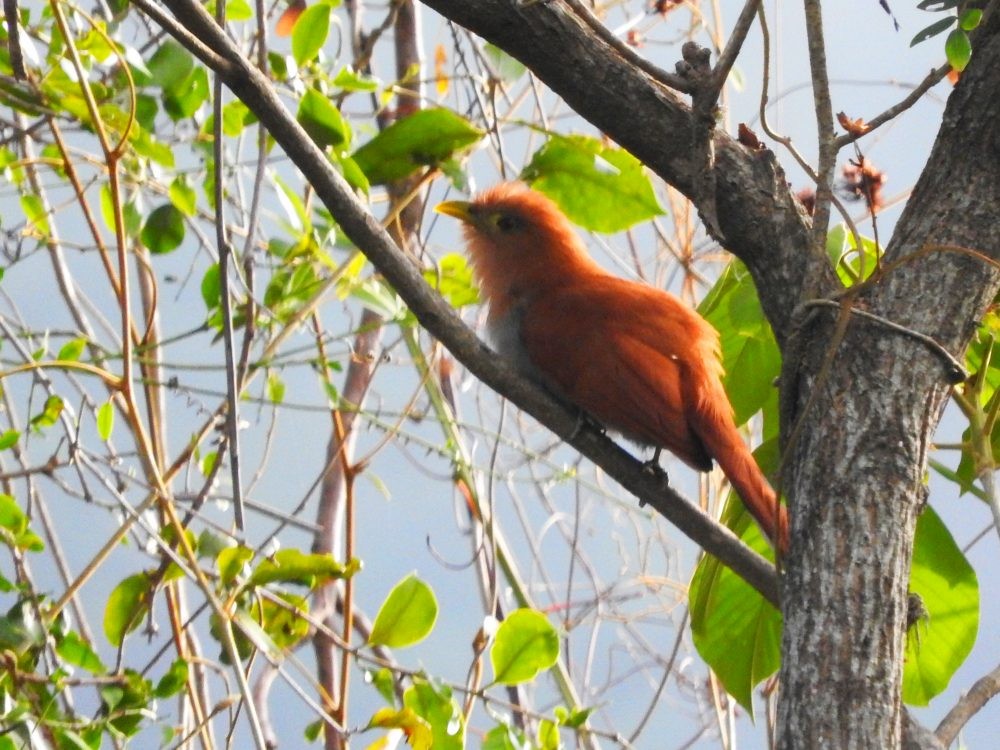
{"type": "Point", "coordinates": [634, 357]}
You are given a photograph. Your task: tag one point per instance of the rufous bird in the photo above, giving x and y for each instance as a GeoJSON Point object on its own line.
{"type": "Point", "coordinates": [633, 357]}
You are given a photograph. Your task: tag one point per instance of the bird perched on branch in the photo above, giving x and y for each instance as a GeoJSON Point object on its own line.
{"type": "Point", "coordinates": [634, 357]}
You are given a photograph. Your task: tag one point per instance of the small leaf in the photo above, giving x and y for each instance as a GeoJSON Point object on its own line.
{"type": "Point", "coordinates": [105, 420]}
{"type": "Point", "coordinates": [506, 68]}
{"type": "Point", "coordinates": [310, 32]}
{"type": "Point", "coordinates": [231, 563]}
{"type": "Point", "coordinates": [435, 705]}
{"type": "Point", "coordinates": [406, 616]}
{"type": "Point", "coordinates": [289, 17]}
{"type": "Point", "coordinates": [126, 607]}
{"type": "Point", "coordinates": [970, 19]}
{"type": "Point", "coordinates": [321, 120]}
{"type": "Point", "coordinates": [183, 196]}
{"type": "Point", "coordinates": [293, 566]}
{"type": "Point", "coordinates": [349, 80]}
{"type": "Point", "coordinates": [526, 644]}
{"type": "Point", "coordinates": [425, 138]}
{"type": "Point", "coordinates": [933, 30]}
{"type": "Point", "coordinates": [163, 231]}
{"type": "Point", "coordinates": [13, 519]}
{"type": "Point", "coordinates": [34, 211]}
{"type": "Point", "coordinates": [211, 287]}
{"type": "Point", "coordinates": [958, 49]}
{"type": "Point", "coordinates": [173, 681]}
{"type": "Point", "coordinates": [72, 349]}
{"type": "Point", "coordinates": [49, 415]}
{"type": "Point", "coordinates": [8, 439]}
{"type": "Point", "coordinates": [74, 650]}
{"type": "Point", "coordinates": [418, 733]}
{"type": "Point", "coordinates": [453, 278]}
{"type": "Point", "coordinates": [275, 388]}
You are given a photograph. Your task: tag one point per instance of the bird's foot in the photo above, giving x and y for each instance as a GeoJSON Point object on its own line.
{"type": "Point", "coordinates": [585, 421]}
{"type": "Point", "coordinates": [652, 466]}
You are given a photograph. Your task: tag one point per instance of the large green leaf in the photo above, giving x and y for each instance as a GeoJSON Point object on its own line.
{"type": "Point", "coordinates": [406, 616]}
{"type": "Point", "coordinates": [735, 630]}
{"type": "Point", "coordinates": [423, 139]}
{"type": "Point", "coordinates": [947, 584]}
{"type": "Point", "coordinates": [526, 644]}
{"type": "Point", "coordinates": [750, 354]}
{"type": "Point", "coordinates": [599, 187]}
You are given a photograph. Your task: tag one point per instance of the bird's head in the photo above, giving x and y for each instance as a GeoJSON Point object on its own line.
{"type": "Point", "coordinates": [517, 238]}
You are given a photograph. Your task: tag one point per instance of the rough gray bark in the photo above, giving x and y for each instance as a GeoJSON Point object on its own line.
{"type": "Point", "coordinates": [854, 478]}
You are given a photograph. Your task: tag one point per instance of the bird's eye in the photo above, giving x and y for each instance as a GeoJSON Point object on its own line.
{"type": "Point", "coordinates": [507, 223]}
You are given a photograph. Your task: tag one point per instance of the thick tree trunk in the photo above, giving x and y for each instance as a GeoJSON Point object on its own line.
{"type": "Point", "coordinates": [857, 471]}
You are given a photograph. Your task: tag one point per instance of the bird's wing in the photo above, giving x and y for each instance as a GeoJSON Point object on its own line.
{"type": "Point", "coordinates": [623, 356]}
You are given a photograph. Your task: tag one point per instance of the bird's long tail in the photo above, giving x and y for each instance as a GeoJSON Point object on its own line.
{"type": "Point", "coordinates": [724, 443]}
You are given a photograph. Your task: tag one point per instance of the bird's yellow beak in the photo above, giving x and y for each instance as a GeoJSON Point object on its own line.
{"type": "Point", "coordinates": [459, 209]}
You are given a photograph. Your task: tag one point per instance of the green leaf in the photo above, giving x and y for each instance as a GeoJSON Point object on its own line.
{"type": "Point", "coordinates": [418, 733]}
{"type": "Point", "coordinates": [9, 438]}
{"type": "Point", "coordinates": [127, 606]}
{"type": "Point", "coordinates": [735, 630]}
{"type": "Point", "coordinates": [72, 349]}
{"type": "Point", "coordinates": [170, 65]}
{"type": "Point", "coordinates": [599, 187]}
{"type": "Point", "coordinates": [211, 287]}
{"type": "Point", "coordinates": [958, 49]}
{"type": "Point", "coordinates": [525, 644]}
{"type": "Point", "coordinates": [231, 562]}
{"type": "Point", "coordinates": [235, 117]}
{"type": "Point", "coordinates": [275, 388]}
{"type": "Point", "coordinates": [163, 231]}
{"type": "Point", "coordinates": [425, 138]}
{"type": "Point", "coordinates": [750, 355]}
{"type": "Point", "coordinates": [183, 196]}
{"type": "Point", "coordinates": [310, 32]}
{"type": "Point", "coordinates": [49, 414]}
{"type": "Point", "coordinates": [34, 211]}
{"type": "Point", "coordinates": [933, 30]}
{"type": "Point", "coordinates": [105, 420]}
{"type": "Point", "coordinates": [453, 278]}
{"type": "Point", "coordinates": [970, 19]}
{"type": "Point", "coordinates": [506, 68]}
{"type": "Point", "coordinates": [321, 120]}
{"type": "Point", "coordinates": [293, 566]}
{"type": "Point", "coordinates": [14, 521]}
{"type": "Point", "coordinates": [436, 706]}
{"type": "Point", "coordinates": [944, 580]}
{"type": "Point", "coordinates": [173, 681]}
{"type": "Point", "coordinates": [74, 650]}
{"type": "Point", "coordinates": [406, 616]}
{"type": "Point", "coordinates": [349, 80]}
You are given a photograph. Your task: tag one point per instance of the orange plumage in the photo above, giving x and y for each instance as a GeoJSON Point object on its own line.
{"type": "Point", "coordinates": [634, 357]}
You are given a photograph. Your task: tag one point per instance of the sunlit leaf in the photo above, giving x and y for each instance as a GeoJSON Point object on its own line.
{"type": "Point", "coordinates": [310, 32]}
{"type": "Point", "coordinates": [436, 706]}
{"type": "Point", "coordinates": [105, 420]}
{"type": "Point", "coordinates": [525, 644]}
{"type": "Point", "coordinates": [293, 566]}
{"type": "Point", "coordinates": [423, 139]}
{"type": "Point", "coordinates": [72, 350]}
{"type": "Point", "coordinates": [127, 607]}
{"type": "Point", "coordinates": [958, 49]}
{"type": "Point", "coordinates": [406, 616]}
{"type": "Point", "coordinates": [599, 187]}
